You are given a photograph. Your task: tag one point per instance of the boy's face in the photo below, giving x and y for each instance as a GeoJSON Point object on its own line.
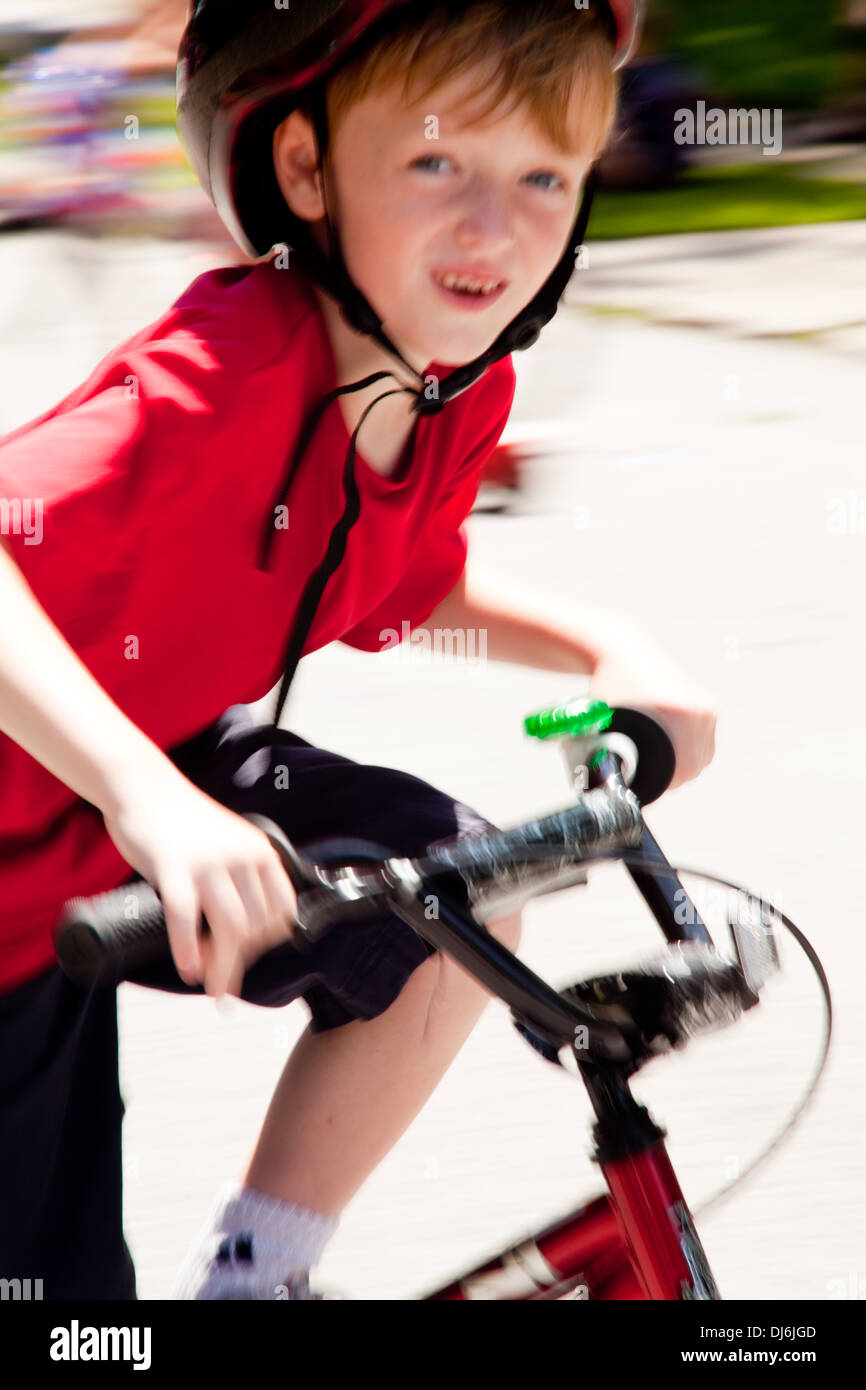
{"type": "Point", "coordinates": [497, 201]}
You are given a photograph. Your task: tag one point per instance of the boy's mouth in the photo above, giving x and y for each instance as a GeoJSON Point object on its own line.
{"type": "Point", "coordinates": [469, 291]}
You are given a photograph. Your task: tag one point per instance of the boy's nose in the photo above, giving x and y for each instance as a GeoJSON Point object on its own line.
{"type": "Point", "coordinates": [486, 215]}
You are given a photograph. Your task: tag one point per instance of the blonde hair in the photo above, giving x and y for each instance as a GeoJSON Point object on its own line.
{"type": "Point", "coordinates": [547, 52]}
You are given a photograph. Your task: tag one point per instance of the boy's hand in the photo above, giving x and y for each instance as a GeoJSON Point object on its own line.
{"type": "Point", "coordinates": [204, 858]}
{"type": "Point", "coordinates": [637, 675]}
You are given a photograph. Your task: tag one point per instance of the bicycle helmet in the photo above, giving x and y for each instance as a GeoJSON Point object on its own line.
{"type": "Point", "coordinates": [243, 65]}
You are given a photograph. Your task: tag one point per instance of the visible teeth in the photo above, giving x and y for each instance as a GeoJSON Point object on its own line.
{"type": "Point", "coordinates": [460, 282]}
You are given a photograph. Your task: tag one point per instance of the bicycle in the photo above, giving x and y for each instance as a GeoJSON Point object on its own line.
{"type": "Point", "coordinates": [638, 1239]}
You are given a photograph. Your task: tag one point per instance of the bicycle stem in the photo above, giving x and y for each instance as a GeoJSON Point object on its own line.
{"type": "Point", "coordinates": [663, 893]}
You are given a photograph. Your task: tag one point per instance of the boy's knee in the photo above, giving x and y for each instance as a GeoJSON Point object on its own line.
{"type": "Point", "coordinates": [457, 998]}
{"type": "Point", "coordinates": [508, 930]}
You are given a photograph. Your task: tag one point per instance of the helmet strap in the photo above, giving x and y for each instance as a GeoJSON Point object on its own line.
{"type": "Point", "coordinates": [331, 273]}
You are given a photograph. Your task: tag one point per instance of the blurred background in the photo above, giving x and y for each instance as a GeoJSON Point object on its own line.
{"type": "Point", "coordinates": [686, 447]}
{"type": "Point", "coordinates": [73, 75]}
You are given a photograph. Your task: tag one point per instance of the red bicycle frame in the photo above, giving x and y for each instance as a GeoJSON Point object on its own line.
{"type": "Point", "coordinates": [637, 1242]}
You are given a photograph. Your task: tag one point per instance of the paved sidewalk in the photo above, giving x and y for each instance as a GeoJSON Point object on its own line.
{"type": "Point", "coordinates": [775, 282]}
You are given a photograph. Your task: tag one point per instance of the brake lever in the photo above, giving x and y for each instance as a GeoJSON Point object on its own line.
{"type": "Point", "coordinates": [300, 870]}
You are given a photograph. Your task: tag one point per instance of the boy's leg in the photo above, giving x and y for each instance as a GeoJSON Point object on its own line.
{"type": "Point", "coordinates": [390, 1014]}
{"type": "Point", "coordinates": [60, 1143]}
{"type": "Point", "coordinates": [347, 1095]}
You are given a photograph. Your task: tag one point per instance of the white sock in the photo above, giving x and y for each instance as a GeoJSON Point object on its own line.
{"type": "Point", "coordinates": [254, 1246]}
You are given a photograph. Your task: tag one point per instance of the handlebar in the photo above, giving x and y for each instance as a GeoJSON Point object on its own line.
{"type": "Point", "coordinates": [99, 942]}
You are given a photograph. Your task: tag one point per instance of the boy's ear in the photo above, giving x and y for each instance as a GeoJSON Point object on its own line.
{"type": "Point", "coordinates": [295, 166]}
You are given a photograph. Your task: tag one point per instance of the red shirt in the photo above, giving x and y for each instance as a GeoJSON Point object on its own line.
{"type": "Point", "coordinates": [156, 478]}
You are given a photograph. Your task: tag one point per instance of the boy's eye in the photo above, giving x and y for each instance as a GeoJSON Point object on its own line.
{"type": "Point", "coordinates": [426, 161]}
{"type": "Point", "coordinates": [547, 174]}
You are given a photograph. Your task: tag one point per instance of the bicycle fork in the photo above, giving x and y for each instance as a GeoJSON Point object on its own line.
{"type": "Point", "coordinates": [638, 1241]}
{"type": "Point", "coordinates": [655, 1224]}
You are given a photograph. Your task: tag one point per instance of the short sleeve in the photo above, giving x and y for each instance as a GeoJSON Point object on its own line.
{"type": "Point", "coordinates": [67, 487]}
{"type": "Point", "coordinates": [440, 556]}
{"type": "Point", "coordinates": [80, 487]}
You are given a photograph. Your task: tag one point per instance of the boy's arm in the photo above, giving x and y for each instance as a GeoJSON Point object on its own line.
{"type": "Point", "coordinates": [53, 707]}
{"type": "Point", "coordinates": [198, 854]}
{"type": "Point", "coordinates": [526, 626]}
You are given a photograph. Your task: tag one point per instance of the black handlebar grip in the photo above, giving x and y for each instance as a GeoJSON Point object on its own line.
{"type": "Point", "coordinates": [656, 761]}
{"type": "Point", "coordinates": [97, 942]}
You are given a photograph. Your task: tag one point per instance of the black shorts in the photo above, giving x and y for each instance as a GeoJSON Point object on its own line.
{"type": "Point", "coordinates": [60, 1103]}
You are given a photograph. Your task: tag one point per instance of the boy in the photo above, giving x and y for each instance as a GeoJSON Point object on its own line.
{"type": "Point", "coordinates": [187, 493]}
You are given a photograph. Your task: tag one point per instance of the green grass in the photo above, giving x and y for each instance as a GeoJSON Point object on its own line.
{"type": "Point", "coordinates": [739, 196]}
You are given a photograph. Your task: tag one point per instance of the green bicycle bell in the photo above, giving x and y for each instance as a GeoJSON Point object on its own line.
{"type": "Point", "coordinates": [577, 718]}
{"type": "Point", "coordinates": [644, 745]}
{"type": "Point", "coordinates": [579, 724]}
